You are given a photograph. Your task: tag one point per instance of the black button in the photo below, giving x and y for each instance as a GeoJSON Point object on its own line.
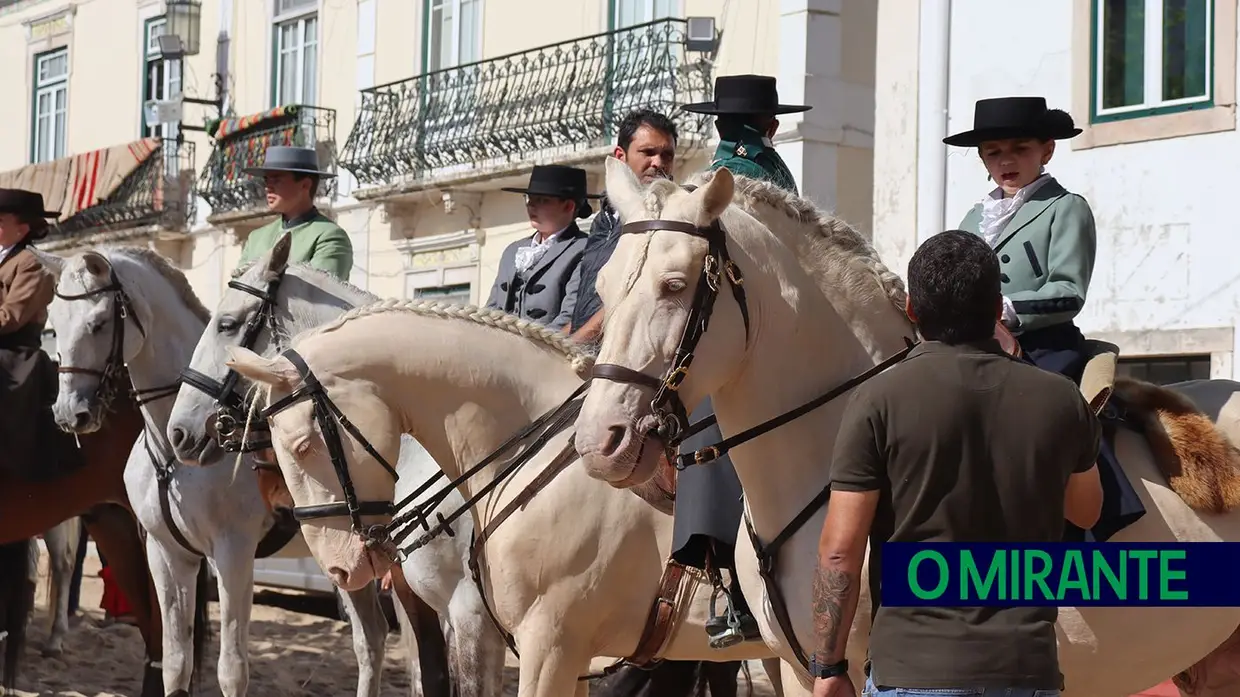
{"type": "Point", "coordinates": [1005, 258]}
{"type": "Point", "coordinates": [1004, 277]}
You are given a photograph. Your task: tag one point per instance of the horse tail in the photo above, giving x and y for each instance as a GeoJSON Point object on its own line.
{"type": "Point", "coordinates": [202, 622]}
{"type": "Point", "coordinates": [16, 602]}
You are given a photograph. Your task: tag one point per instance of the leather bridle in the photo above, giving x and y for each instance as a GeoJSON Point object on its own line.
{"type": "Point", "coordinates": [671, 417]}
{"type": "Point", "coordinates": [230, 411]}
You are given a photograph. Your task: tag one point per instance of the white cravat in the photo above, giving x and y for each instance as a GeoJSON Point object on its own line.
{"type": "Point", "coordinates": [529, 255]}
{"type": "Point", "coordinates": [997, 212]}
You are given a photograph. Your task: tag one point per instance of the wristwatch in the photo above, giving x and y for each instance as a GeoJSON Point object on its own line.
{"type": "Point", "coordinates": [829, 670]}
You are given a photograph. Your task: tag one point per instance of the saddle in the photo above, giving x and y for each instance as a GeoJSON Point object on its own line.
{"type": "Point", "coordinates": [1098, 378]}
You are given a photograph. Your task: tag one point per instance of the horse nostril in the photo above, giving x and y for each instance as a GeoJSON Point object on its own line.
{"type": "Point", "coordinates": [81, 419]}
{"type": "Point", "coordinates": [615, 439]}
{"type": "Point", "coordinates": [177, 437]}
{"type": "Point", "coordinates": [338, 575]}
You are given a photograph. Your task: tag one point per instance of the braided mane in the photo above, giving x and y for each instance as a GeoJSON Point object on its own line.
{"type": "Point", "coordinates": [837, 245]}
{"type": "Point", "coordinates": [580, 357]}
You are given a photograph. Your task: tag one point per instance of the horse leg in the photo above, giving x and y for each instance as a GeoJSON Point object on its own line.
{"type": "Point", "coordinates": [116, 534]}
{"type": "Point", "coordinates": [550, 661]}
{"type": "Point", "coordinates": [62, 542]}
{"type": "Point", "coordinates": [426, 632]}
{"type": "Point", "coordinates": [771, 666]}
{"type": "Point", "coordinates": [409, 646]}
{"type": "Point", "coordinates": [370, 630]}
{"type": "Point", "coordinates": [477, 647]}
{"type": "Point", "coordinates": [234, 562]}
{"type": "Point", "coordinates": [792, 684]}
{"type": "Point", "coordinates": [722, 678]}
{"type": "Point", "coordinates": [174, 572]}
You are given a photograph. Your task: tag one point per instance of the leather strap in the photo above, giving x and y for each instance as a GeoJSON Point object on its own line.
{"type": "Point", "coordinates": [661, 618]}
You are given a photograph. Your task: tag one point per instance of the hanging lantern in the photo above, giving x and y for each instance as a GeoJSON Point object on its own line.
{"type": "Point", "coordinates": [185, 23]}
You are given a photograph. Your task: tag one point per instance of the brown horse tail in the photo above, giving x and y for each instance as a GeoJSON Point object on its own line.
{"type": "Point", "coordinates": [202, 622]}
{"type": "Point", "coordinates": [16, 602]}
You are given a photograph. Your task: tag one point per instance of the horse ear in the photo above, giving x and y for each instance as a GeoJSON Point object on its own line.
{"type": "Point", "coordinates": [624, 191]}
{"type": "Point", "coordinates": [277, 372]}
{"type": "Point", "coordinates": [96, 264]}
{"type": "Point", "coordinates": [279, 254]}
{"type": "Point", "coordinates": [716, 195]}
{"type": "Point", "coordinates": [54, 264]}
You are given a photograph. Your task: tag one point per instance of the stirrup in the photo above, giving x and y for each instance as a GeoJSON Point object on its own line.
{"type": "Point", "coordinates": [732, 634]}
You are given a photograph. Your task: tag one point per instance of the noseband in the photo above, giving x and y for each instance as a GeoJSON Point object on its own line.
{"type": "Point", "coordinates": [672, 419]}
{"type": "Point", "coordinates": [229, 407]}
{"type": "Point", "coordinates": [328, 415]}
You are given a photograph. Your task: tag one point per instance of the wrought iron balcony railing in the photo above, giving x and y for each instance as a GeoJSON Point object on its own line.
{"type": "Point", "coordinates": [570, 95]}
{"type": "Point", "coordinates": [243, 142]}
{"type": "Point", "coordinates": [159, 191]}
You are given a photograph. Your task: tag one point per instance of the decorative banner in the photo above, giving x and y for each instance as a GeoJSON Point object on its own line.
{"type": "Point", "coordinates": [1102, 574]}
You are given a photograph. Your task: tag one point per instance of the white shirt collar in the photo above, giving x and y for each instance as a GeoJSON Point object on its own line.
{"type": "Point", "coordinates": [998, 211]}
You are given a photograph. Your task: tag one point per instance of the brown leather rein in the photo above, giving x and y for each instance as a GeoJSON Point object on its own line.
{"type": "Point", "coordinates": [672, 426]}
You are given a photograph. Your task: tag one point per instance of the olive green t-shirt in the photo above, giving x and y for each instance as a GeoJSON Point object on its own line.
{"type": "Point", "coordinates": [966, 444]}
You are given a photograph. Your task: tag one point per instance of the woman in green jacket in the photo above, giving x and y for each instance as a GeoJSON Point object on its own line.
{"type": "Point", "coordinates": [1046, 242]}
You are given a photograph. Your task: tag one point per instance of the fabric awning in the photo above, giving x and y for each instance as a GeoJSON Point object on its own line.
{"type": "Point", "coordinates": [73, 184]}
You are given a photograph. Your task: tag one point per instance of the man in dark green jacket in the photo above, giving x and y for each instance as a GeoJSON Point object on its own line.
{"type": "Point", "coordinates": [708, 499]}
{"type": "Point", "coordinates": [746, 107]}
{"type": "Point", "coordinates": [291, 177]}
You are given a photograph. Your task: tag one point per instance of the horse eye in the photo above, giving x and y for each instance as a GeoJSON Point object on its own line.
{"type": "Point", "coordinates": [302, 448]}
{"type": "Point", "coordinates": [227, 324]}
{"type": "Point", "coordinates": [673, 285]}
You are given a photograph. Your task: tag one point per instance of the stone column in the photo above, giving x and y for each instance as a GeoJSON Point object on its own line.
{"type": "Point", "coordinates": [826, 60]}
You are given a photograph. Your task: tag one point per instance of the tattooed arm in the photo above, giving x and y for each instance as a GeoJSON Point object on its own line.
{"type": "Point", "coordinates": [837, 583]}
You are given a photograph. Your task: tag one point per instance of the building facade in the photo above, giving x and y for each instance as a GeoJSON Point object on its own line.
{"type": "Point", "coordinates": [424, 108]}
{"type": "Point", "coordinates": [1153, 85]}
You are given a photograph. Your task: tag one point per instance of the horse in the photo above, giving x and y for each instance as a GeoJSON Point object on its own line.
{"type": "Point", "coordinates": [569, 565]}
{"type": "Point", "coordinates": [267, 300]}
{"type": "Point", "coordinates": [129, 306]}
{"type": "Point", "coordinates": [96, 492]}
{"type": "Point", "coordinates": [811, 308]}
{"type": "Point", "coordinates": [62, 542]}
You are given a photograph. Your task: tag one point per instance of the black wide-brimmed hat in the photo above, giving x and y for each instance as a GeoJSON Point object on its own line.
{"type": "Point", "coordinates": [745, 94]}
{"type": "Point", "coordinates": [560, 181]}
{"type": "Point", "coordinates": [283, 158]}
{"type": "Point", "coordinates": [1015, 117]}
{"type": "Point", "coordinates": [24, 203]}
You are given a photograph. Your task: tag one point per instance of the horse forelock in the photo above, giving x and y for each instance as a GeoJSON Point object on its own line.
{"type": "Point", "coordinates": [151, 259]}
{"type": "Point", "coordinates": [833, 244]}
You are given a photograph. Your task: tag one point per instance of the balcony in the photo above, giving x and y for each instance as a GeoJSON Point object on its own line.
{"type": "Point", "coordinates": [243, 142]}
{"type": "Point", "coordinates": [559, 98]}
{"type": "Point", "coordinates": [159, 192]}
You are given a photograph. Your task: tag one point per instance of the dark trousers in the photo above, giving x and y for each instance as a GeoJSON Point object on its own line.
{"type": "Point", "coordinates": [1061, 349]}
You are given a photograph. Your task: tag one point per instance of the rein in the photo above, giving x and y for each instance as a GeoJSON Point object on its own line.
{"type": "Point", "coordinates": [671, 421]}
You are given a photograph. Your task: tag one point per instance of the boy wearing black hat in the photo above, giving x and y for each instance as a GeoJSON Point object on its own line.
{"type": "Point", "coordinates": [291, 179]}
{"type": "Point", "coordinates": [1046, 242]}
{"type": "Point", "coordinates": [745, 108]}
{"type": "Point", "coordinates": [536, 279]}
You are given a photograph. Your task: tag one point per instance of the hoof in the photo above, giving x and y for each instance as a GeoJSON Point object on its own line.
{"type": "Point", "coordinates": [178, 693]}
{"type": "Point", "coordinates": [53, 652]}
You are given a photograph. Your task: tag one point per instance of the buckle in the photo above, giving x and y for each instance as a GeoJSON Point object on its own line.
{"type": "Point", "coordinates": [700, 455]}
{"type": "Point", "coordinates": [675, 378]}
{"type": "Point", "coordinates": [710, 268]}
{"type": "Point", "coordinates": [734, 273]}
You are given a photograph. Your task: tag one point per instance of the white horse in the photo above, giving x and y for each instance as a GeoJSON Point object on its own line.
{"type": "Point", "coordinates": [129, 306]}
{"type": "Point", "coordinates": [573, 570]}
{"type": "Point", "coordinates": [62, 544]}
{"type": "Point", "coordinates": [821, 309]}
{"type": "Point", "coordinates": [437, 573]}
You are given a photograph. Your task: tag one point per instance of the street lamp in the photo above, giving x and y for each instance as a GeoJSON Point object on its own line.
{"type": "Point", "coordinates": [184, 23]}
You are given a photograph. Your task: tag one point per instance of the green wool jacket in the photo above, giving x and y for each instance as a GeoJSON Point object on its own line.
{"type": "Point", "coordinates": [748, 153]}
{"type": "Point", "coordinates": [318, 242]}
{"type": "Point", "coordinates": [1046, 255]}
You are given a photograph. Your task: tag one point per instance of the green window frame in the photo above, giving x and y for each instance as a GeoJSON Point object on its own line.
{"type": "Point", "coordinates": [49, 106]}
{"type": "Point", "coordinates": [1150, 57]}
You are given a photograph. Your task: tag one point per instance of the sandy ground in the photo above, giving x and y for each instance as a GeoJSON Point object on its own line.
{"type": "Point", "coordinates": [292, 654]}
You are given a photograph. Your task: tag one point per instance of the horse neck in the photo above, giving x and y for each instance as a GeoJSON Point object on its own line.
{"type": "Point", "coordinates": [172, 333]}
{"type": "Point", "coordinates": [462, 389]}
{"type": "Point", "coordinates": [800, 349]}
{"type": "Point", "coordinates": [308, 299]}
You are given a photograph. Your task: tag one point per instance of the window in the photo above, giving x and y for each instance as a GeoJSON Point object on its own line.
{"type": "Point", "coordinates": [51, 106]}
{"type": "Point", "coordinates": [296, 47]}
{"type": "Point", "coordinates": [453, 33]}
{"type": "Point", "coordinates": [1151, 57]}
{"type": "Point", "coordinates": [1165, 370]}
{"type": "Point", "coordinates": [631, 12]}
{"type": "Point", "coordinates": [161, 77]}
{"type": "Point", "coordinates": [456, 294]}
{"type": "Point", "coordinates": [448, 276]}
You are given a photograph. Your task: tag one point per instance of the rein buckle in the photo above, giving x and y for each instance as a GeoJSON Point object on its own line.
{"type": "Point", "coordinates": [676, 377]}
{"type": "Point", "coordinates": [710, 269]}
{"type": "Point", "coordinates": [707, 454]}
{"type": "Point", "coordinates": [734, 273]}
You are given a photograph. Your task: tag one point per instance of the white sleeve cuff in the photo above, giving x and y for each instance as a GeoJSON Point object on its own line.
{"type": "Point", "coordinates": [1010, 320]}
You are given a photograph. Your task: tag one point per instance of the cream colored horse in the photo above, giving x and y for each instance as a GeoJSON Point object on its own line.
{"type": "Point", "coordinates": [571, 574]}
{"type": "Point", "coordinates": [823, 309]}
